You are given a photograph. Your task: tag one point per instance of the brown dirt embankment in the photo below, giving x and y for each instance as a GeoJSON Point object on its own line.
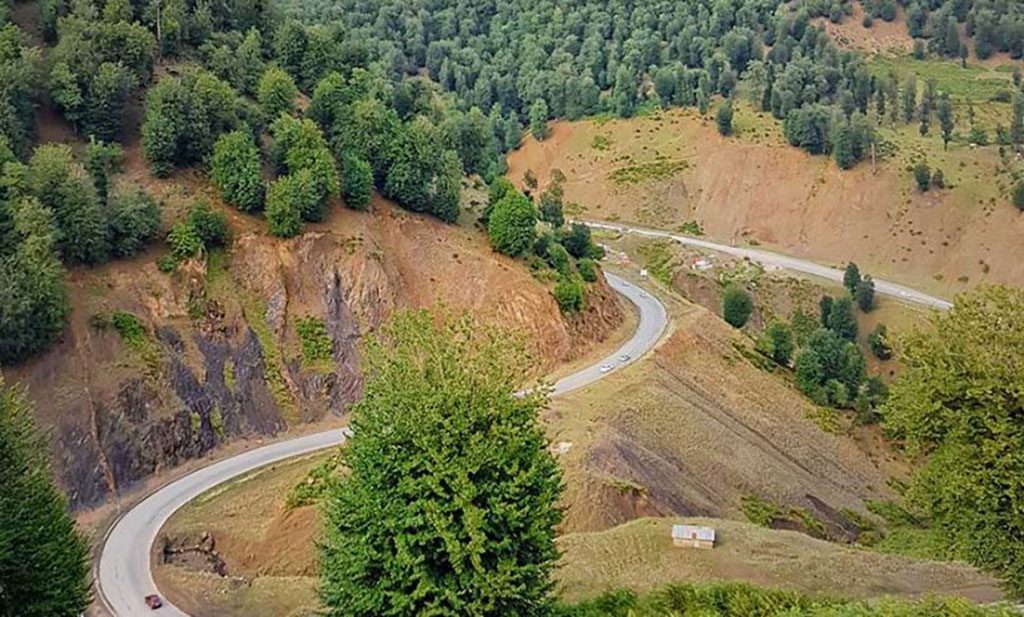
{"type": "Point", "coordinates": [221, 356]}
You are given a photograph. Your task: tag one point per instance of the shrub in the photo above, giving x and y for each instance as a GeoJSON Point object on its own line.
{"type": "Point", "coordinates": [588, 269]}
{"type": "Point", "coordinates": [878, 343]}
{"type": "Point", "coordinates": [938, 179]}
{"type": "Point", "coordinates": [568, 293]}
{"type": "Point", "coordinates": [723, 119]}
{"type": "Point", "coordinates": [737, 305]}
{"type": "Point", "coordinates": [1018, 195]}
{"type": "Point", "coordinates": [134, 219]}
{"type": "Point", "coordinates": [210, 226]}
{"type": "Point", "coordinates": [865, 294]}
{"type": "Point", "coordinates": [841, 319]}
{"type": "Point", "coordinates": [316, 343]}
{"type": "Point", "coordinates": [184, 240]}
{"type": "Point", "coordinates": [580, 244]}
{"type": "Point", "coordinates": [923, 177]}
{"type": "Point", "coordinates": [285, 199]}
{"type": "Point", "coordinates": [776, 342]}
{"type": "Point", "coordinates": [33, 294]}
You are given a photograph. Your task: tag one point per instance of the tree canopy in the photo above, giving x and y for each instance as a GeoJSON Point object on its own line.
{"type": "Point", "coordinates": [44, 560]}
{"type": "Point", "coordinates": [957, 406]}
{"type": "Point", "coordinates": [462, 521]}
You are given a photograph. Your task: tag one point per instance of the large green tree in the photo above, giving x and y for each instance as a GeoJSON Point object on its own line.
{"type": "Point", "coordinates": [185, 116]}
{"type": "Point", "coordinates": [44, 560]}
{"type": "Point", "coordinates": [33, 292]}
{"type": "Point", "coordinates": [511, 224]}
{"type": "Point", "coordinates": [62, 185]}
{"type": "Point", "coordinates": [276, 93]}
{"type": "Point", "coordinates": [356, 182]}
{"type": "Point", "coordinates": [235, 170]}
{"type": "Point", "coordinates": [299, 145]}
{"type": "Point", "coordinates": [450, 504]}
{"type": "Point", "coordinates": [957, 406]}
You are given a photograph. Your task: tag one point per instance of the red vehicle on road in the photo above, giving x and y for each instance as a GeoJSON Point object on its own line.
{"type": "Point", "coordinates": [153, 601]}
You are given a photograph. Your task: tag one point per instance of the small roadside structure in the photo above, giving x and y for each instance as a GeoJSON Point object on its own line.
{"type": "Point", "coordinates": [693, 536]}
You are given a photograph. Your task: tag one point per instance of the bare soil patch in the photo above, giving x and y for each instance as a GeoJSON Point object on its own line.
{"type": "Point", "coordinates": [753, 189]}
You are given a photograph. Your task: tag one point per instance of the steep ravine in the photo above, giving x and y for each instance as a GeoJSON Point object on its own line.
{"type": "Point", "coordinates": [221, 357]}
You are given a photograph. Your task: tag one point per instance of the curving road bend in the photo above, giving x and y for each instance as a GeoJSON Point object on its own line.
{"type": "Point", "coordinates": [124, 577]}
{"type": "Point", "coordinates": [900, 292]}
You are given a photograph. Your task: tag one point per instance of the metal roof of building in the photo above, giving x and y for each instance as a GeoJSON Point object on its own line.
{"type": "Point", "coordinates": [686, 532]}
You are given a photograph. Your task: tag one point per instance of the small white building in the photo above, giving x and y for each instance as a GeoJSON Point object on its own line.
{"type": "Point", "coordinates": [693, 536]}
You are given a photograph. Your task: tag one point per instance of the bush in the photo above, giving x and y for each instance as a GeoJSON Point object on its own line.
{"type": "Point", "coordinates": [558, 258]}
{"type": "Point", "coordinates": [185, 241]}
{"type": "Point", "coordinates": [588, 269]}
{"type": "Point", "coordinates": [938, 179]}
{"type": "Point", "coordinates": [184, 117]}
{"type": "Point", "coordinates": [33, 294]}
{"type": "Point", "coordinates": [878, 343]}
{"type": "Point", "coordinates": [316, 342]}
{"type": "Point", "coordinates": [211, 227]}
{"type": "Point", "coordinates": [776, 342]}
{"type": "Point", "coordinates": [737, 305]}
{"type": "Point", "coordinates": [841, 319]}
{"type": "Point", "coordinates": [569, 294]}
{"type": "Point", "coordinates": [723, 119]}
{"type": "Point", "coordinates": [923, 176]}
{"type": "Point", "coordinates": [61, 185]}
{"type": "Point", "coordinates": [865, 294]}
{"type": "Point", "coordinates": [134, 219]}
{"type": "Point", "coordinates": [580, 244]}
{"type": "Point", "coordinates": [1018, 195]}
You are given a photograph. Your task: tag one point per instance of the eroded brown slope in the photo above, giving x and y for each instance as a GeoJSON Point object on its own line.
{"type": "Point", "coordinates": [221, 357]}
{"type": "Point", "coordinates": [693, 430]}
{"type": "Point", "coordinates": [753, 188]}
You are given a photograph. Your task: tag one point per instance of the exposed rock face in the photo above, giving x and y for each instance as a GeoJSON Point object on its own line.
{"type": "Point", "coordinates": [222, 357]}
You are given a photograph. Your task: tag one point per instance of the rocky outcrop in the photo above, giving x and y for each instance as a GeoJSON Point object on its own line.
{"type": "Point", "coordinates": [221, 356]}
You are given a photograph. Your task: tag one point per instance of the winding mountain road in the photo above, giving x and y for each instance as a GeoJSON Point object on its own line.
{"type": "Point", "coordinates": [906, 294]}
{"type": "Point", "coordinates": [124, 576]}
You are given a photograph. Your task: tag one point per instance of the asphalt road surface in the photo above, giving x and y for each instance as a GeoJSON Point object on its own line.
{"type": "Point", "coordinates": [894, 290]}
{"type": "Point", "coordinates": [124, 577]}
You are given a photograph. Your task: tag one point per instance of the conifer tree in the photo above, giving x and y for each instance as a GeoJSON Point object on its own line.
{"type": "Point", "coordinates": [451, 501]}
{"type": "Point", "coordinates": [44, 560]}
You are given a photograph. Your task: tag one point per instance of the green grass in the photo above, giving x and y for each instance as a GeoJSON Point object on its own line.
{"type": "Point", "coordinates": [317, 348]}
{"type": "Point", "coordinates": [759, 511]}
{"type": "Point", "coordinates": [134, 335]}
{"type": "Point", "coordinates": [974, 83]}
{"type": "Point", "coordinates": [256, 316]}
{"type": "Point", "coordinates": [315, 484]}
{"type": "Point", "coordinates": [661, 169]}
{"type": "Point", "coordinates": [905, 534]}
{"type": "Point", "coordinates": [731, 599]}
{"type": "Point", "coordinates": [658, 260]}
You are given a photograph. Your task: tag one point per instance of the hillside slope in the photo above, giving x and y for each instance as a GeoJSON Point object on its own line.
{"type": "Point", "coordinates": [673, 168]}
{"type": "Point", "coordinates": [219, 355]}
